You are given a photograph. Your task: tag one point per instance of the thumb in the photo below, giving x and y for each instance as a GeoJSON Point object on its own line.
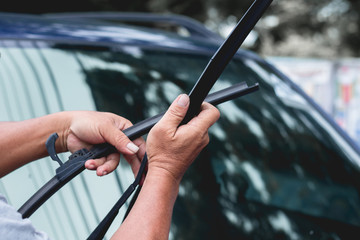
{"type": "Point", "coordinates": [176, 112]}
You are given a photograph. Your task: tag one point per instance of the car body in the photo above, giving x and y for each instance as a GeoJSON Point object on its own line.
{"type": "Point", "coordinates": [276, 167]}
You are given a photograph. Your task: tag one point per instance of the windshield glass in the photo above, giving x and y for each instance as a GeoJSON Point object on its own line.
{"type": "Point", "coordinates": [272, 158]}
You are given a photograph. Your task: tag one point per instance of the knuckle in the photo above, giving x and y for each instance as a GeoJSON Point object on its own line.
{"type": "Point", "coordinates": [159, 129]}
{"type": "Point", "coordinates": [121, 139]}
{"type": "Point", "coordinates": [205, 139]}
{"type": "Point", "coordinates": [175, 113]}
{"type": "Point", "coordinates": [127, 123]}
{"type": "Point", "coordinates": [216, 113]}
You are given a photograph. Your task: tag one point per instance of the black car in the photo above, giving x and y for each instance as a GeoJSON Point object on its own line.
{"type": "Point", "coordinates": [276, 167]}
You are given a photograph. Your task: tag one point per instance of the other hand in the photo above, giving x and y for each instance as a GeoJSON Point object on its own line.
{"type": "Point", "coordinates": [89, 127]}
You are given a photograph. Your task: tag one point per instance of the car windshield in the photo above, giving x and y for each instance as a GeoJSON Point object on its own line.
{"type": "Point", "coordinates": [272, 157]}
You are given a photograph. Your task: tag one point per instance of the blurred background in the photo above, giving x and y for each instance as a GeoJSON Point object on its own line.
{"type": "Point", "coordinates": [314, 42]}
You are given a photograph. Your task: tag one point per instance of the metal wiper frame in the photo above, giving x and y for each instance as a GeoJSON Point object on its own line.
{"type": "Point", "coordinates": [198, 94]}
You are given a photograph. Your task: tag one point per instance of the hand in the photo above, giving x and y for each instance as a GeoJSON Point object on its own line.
{"type": "Point", "coordinates": [172, 148]}
{"type": "Point", "coordinates": [88, 128]}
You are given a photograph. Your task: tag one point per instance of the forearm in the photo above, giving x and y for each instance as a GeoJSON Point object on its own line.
{"type": "Point", "coordinates": [24, 141]}
{"type": "Point", "coordinates": [150, 218]}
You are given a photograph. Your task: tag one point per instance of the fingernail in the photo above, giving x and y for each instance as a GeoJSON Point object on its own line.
{"type": "Point", "coordinates": [183, 100]}
{"type": "Point", "coordinates": [91, 166]}
{"type": "Point", "coordinates": [104, 173]}
{"type": "Point", "coordinates": [132, 147]}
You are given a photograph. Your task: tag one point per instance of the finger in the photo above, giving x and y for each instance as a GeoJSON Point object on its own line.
{"type": "Point", "coordinates": [142, 148]}
{"type": "Point", "coordinates": [206, 118]}
{"type": "Point", "coordinates": [176, 112]}
{"type": "Point", "coordinates": [112, 161]}
{"type": "Point", "coordinates": [74, 143]}
{"type": "Point", "coordinates": [93, 164]}
{"type": "Point", "coordinates": [117, 138]}
{"type": "Point", "coordinates": [140, 142]}
{"type": "Point", "coordinates": [134, 160]}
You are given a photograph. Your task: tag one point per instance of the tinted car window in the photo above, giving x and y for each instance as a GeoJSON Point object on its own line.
{"type": "Point", "coordinates": [274, 168]}
{"type": "Point", "coordinates": [271, 153]}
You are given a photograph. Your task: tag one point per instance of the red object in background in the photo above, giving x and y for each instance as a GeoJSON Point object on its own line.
{"type": "Point", "coordinates": [346, 92]}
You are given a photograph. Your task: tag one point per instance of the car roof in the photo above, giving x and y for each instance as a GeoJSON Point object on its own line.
{"type": "Point", "coordinates": [170, 22]}
{"type": "Point", "coordinates": [83, 29]}
{"type": "Point", "coordinates": [27, 26]}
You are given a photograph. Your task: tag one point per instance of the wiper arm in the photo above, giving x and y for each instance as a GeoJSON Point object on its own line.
{"type": "Point", "coordinates": [76, 162]}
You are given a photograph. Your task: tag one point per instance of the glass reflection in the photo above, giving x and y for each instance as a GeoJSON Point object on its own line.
{"type": "Point", "coordinates": [274, 167]}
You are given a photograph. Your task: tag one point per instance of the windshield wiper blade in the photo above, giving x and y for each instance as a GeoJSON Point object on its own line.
{"type": "Point", "coordinates": [224, 54]}
{"type": "Point", "coordinates": [75, 164]}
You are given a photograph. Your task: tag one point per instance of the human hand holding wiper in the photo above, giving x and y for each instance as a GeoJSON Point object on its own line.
{"type": "Point", "coordinates": [75, 130]}
{"type": "Point", "coordinates": [90, 128]}
{"type": "Point", "coordinates": [172, 147]}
